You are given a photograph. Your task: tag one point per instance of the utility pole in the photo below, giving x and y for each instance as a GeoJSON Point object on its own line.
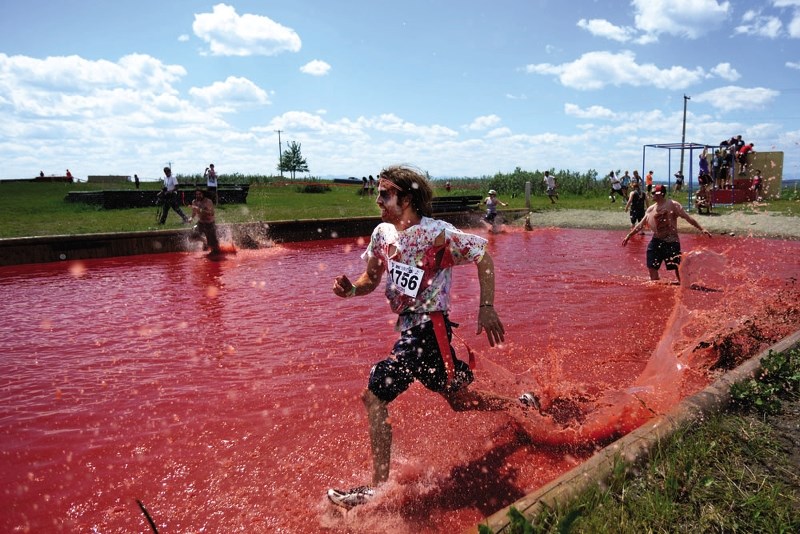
{"type": "Point", "coordinates": [280, 152]}
{"type": "Point", "coordinates": [683, 135]}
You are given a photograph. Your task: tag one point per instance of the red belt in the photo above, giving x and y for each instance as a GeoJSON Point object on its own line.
{"type": "Point", "coordinates": [440, 330]}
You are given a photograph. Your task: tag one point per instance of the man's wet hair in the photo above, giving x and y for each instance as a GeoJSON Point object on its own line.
{"type": "Point", "coordinates": [411, 182]}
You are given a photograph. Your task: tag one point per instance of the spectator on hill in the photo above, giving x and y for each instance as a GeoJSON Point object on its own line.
{"type": "Point", "coordinates": [716, 168]}
{"type": "Point", "coordinates": [648, 184]}
{"type": "Point", "coordinates": [136, 180]}
{"type": "Point", "coordinates": [729, 166]}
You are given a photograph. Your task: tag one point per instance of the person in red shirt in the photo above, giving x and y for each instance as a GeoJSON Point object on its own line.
{"type": "Point", "coordinates": [741, 157]}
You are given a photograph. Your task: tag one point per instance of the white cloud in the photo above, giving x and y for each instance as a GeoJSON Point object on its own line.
{"type": "Point", "coordinates": [67, 74]}
{"type": "Point", "coordinates": [793, 64]}
{"type": "Point", "coordinates": [316, 68]}
{"type": "Point", "coordinates": [603, 28]}
{"type": "Point", "coordinates": [483, 123]}
{"type": "Point", "coordinates": [731, 98]}
{"type": "Point", "coordinates": [234, 92]}
{"type": "Point", "coordinates": [592, 112]}
{"type": "Point", "coordinates": [302, 121]}
{"type": "Point", "coordinates": [726, 72]}
{"type": "Point", "coordinates": [499, 132]}
{"type": "Point", "coordinates": [183, 38]}
{"type": "Point", "coordinates": [687, 18]}
{"type": "Point", "coordinates": [753, 23]}
{"type": "Point", "coordinates": [595, 70]}
{"type": "Point", "coordinates": [229, 34]}
{"type": "Point", "coordinates": [794, 26]}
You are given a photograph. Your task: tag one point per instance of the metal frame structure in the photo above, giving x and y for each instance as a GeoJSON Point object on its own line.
{"type": "Point", "coordinates": [688, 180]}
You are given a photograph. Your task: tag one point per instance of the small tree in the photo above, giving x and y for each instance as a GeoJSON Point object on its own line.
{"type": "Point", "coordinates": [292, 160]}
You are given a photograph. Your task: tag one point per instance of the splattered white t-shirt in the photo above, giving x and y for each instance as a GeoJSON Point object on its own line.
{"type": "Point", "coordinates": [414, 286]}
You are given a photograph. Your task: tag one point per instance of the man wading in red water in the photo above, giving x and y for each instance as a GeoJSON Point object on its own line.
{"type": "Point", "coordinates": [418, 254]}
{"type": "Point", "coordinates": [662, 218]}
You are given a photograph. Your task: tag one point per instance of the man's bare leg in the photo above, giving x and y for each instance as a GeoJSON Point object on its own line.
{"type": "Point", "coordinates": [380, 435]}
{"type": "Point", "coordinates": [653, 274]}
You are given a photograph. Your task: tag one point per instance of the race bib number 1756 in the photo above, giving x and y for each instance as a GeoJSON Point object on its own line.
{"type": "Point", "coordinates": [407, 278]}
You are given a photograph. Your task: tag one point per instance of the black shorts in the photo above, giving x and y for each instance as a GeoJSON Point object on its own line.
{"type": "Point", "coordinates": [668, 252]}
{"type": "Point", "coordinates": [416, 356]}
{"type": "Point", "coordinates": [490, 217]}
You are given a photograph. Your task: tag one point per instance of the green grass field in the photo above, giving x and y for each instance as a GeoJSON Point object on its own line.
{"type": "Point", "coordinates": [39, 209]}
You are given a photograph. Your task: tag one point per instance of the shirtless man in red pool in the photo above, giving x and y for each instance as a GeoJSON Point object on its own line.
{"type": "Point", "coordinates": [662, 218]}
{"type": "Point", "coordinates": [418, 254]}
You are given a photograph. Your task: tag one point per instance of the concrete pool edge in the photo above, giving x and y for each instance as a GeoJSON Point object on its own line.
{"type": "Point", "coordinates": [47, 249]}
{"type": "Point", "coordinates": [635, 446]}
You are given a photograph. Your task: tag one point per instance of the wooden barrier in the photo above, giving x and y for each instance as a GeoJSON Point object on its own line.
{"type": "Point", "coordinates": [142, 198]}
{"type": "Point", "coordinates": [456, 203]}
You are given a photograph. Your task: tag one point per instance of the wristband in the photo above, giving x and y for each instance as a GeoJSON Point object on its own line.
{"type": "Point", "coordinates": [486, 306]}
{"type": "Point", "coordinates": [352, 292]}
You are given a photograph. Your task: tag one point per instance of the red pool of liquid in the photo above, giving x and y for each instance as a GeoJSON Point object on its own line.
{"type": "Point", "coordinates": [224, 395]}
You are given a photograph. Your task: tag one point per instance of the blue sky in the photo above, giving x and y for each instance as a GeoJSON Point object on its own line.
{"type": "Point", "coordinates": [455, 87]}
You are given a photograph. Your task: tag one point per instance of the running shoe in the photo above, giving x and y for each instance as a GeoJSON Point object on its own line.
{"type": "Point", "coordinates": [531, 401]}
{"type": "Point", "coordinates": [352, 497]}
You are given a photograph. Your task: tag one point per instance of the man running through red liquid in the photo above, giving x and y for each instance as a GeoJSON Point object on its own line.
{"type": "Point", "coordinates": [662, 218]}
{"type": "Point", "coordinates": [418, 254]}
